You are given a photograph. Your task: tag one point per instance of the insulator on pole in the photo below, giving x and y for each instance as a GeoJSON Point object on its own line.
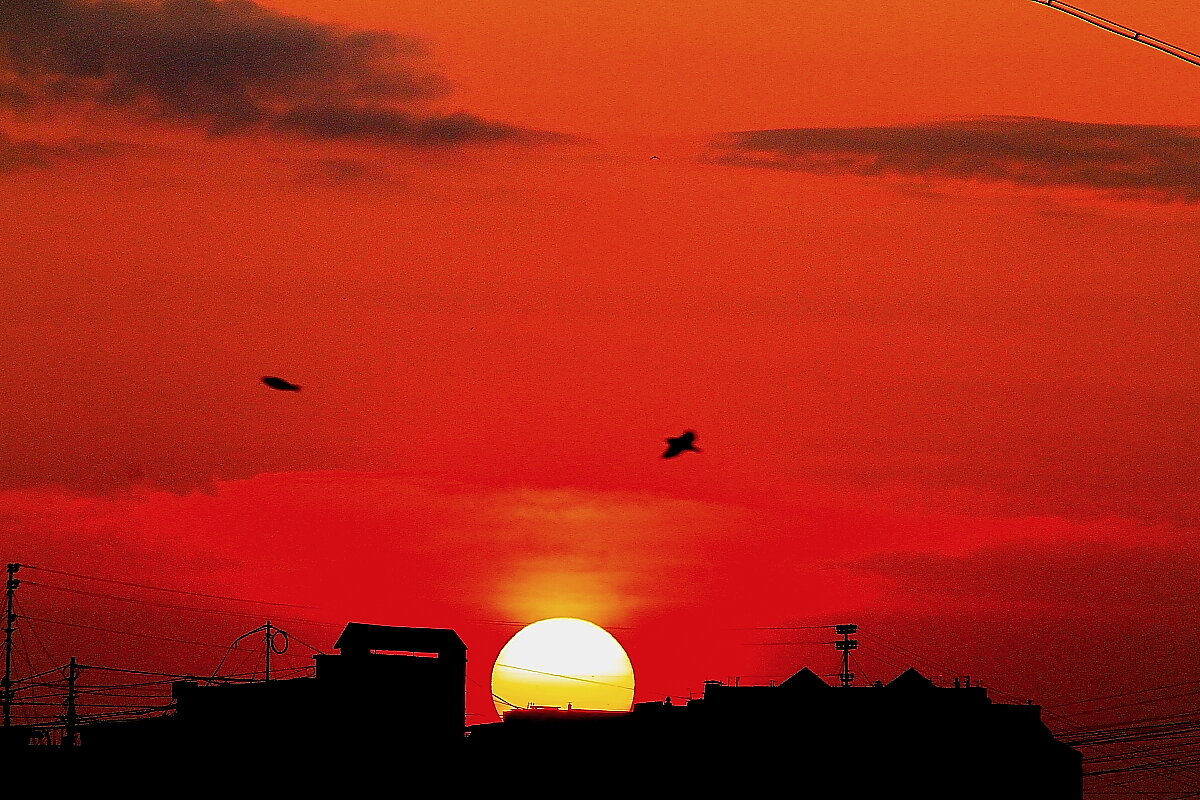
{"type": "Point", "coordinates": [846, 677]}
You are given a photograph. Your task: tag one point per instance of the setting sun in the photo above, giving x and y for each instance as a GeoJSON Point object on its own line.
{"type": "Point", "coordinates": [563, 662]}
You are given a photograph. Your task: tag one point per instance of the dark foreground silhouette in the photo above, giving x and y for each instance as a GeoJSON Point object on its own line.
{"type": "Point", "coordinates": [386, 714]}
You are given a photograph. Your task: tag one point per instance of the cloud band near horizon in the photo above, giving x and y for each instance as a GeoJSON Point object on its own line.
{"type": "Point", "coordinates": [1159, 163]}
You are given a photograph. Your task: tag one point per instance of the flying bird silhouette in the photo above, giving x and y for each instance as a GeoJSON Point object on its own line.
{"type": "Point", "coordinates": [280, 384]}
{"type": "Point", "coordinates": [678, 444]}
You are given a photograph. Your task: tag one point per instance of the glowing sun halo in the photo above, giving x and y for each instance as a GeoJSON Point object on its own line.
{"type": "Point", "coordinates": [561, 662]}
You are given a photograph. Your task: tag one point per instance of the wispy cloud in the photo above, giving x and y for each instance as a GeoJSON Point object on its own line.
{"type": "Point", "coordinates": [392, 126]}
{"type": "Point", "coordinates": [1152, 162]}
{"type": "Point", "coordinates": [18, 154]}
{"type": "Point", "coordinates": [228, 66]}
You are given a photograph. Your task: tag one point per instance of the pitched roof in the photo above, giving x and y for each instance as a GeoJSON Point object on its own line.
{"type": "Point", "coordinates": [909, 680]}
{"type": "Point", "coordinates": [361, 637]}
{"type": "Point", "coordinates": [803, 680]}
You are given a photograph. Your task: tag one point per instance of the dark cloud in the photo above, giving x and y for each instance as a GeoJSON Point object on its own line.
{"type": "Point", "coordinates": [229, 66]}
{"type": "Point", "coordinates": [1157, 162]}
{"type": "Point", "coordinates": [17, 154]}
{"type": "Point", "coordinates": [390, 126]}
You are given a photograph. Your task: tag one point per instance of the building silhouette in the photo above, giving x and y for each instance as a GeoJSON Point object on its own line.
{"type": "Point", "coordinates": [908, 738]}
{"type": "Point", "coordinates": [391, 703]}
{"type": "Point", "coordinates": [388, 688]}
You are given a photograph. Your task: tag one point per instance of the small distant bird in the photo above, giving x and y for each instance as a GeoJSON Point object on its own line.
{"type": "Point", "coordinates": [280, 384]}
{"type": "Point", "coordinates": [654, 158]}
{"type": "Point", "coordinates": [678, 444]}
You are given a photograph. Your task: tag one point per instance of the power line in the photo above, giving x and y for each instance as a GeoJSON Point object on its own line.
{"type": "Point", "coordinates": [162, 588]}
{"type": "Point", "coordinates": [511, 624]}
{"type": "Point", "coordinates": [298, 640]}
{"type": "Point", "coordinates": [1122, 30]}
{"type": "Point", "coordinates": [234, 678]}
{"type": "Point", "coordinates": [37, 638]}
{"type": "Point", "coordinates": [1135, 703]}
{"type": "Point", "coordinates": [567, 677]}
{"type": "Point", "coordinates": [493, 694]}
{"type": "Point", "coordinates": [1123, 694]}
{"type": "Point", "coordinates": [1159, 718]}
{"type": "Point", "coordinates": [858, 668]}
{"type": "Point", "coordinates": [905, 652]}
{"type": "Point", "coordinates": [1147, 731]}
{"type": "Point", "coordinates": [785, 628]}
{"type": "Point", "coordinates": [125, 633]}
{"type": "Point", "coordinates": [1136, 753]}
{"type": "Point", "coordinates": [1179, 764]}
{"type": "Point", "coordinates": [141, 602]}
{"type": "Point", "coordinates": [40, 674]}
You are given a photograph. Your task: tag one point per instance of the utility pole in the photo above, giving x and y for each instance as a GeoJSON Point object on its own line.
{"type": "Point", "coordinates": [268, 645]}
{"type": "Point", "coordinates": [845, 646]}
{"type": "Point", "coordinates": [72, 720]}
{"type": "Point", "coordinates": [10, 618]}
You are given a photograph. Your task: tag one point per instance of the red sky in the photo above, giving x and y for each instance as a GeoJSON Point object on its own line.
{"type": "Point", "coordinates": [937, 333]}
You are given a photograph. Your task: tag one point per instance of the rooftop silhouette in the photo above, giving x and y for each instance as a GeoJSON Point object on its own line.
{"type": "Point", "coordinates": [394, 698]}
{"type": "Point", "coordinates": [908, 737]}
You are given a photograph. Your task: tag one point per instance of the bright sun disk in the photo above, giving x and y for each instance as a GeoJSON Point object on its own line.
{"type": "Point", "coordinates": [563, 662]}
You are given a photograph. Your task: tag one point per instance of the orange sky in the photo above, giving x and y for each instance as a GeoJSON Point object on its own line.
{"type": "Point", "coordinates": [944, 377]}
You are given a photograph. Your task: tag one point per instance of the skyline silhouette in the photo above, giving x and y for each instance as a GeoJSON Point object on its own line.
{"type": "Point", "coordinates": [919, 279]}
{"type": "Point", "coordinates": [114, 708]}
{"type": "Point", "coordinates": [401, 690]}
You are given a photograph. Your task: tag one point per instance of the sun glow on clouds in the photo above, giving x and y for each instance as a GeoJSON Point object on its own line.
{"type": "Point", "coordinates": [683, 578]}
{"type": "Point", "coordinates": [563, 662]}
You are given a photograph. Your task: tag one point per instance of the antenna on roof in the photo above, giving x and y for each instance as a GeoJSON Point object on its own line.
{"type": "Point", "coordinates": [845, 646]}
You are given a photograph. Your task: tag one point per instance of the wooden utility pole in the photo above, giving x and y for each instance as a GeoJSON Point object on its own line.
{"type": "Point", "coordinates": [10, 618]}
{"type": "Point", "coordinates": [269, 646]}
{"type": "Point", "coordinates": [72, 719]}
{"type": "Point", "coordinates": [846, 677]}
